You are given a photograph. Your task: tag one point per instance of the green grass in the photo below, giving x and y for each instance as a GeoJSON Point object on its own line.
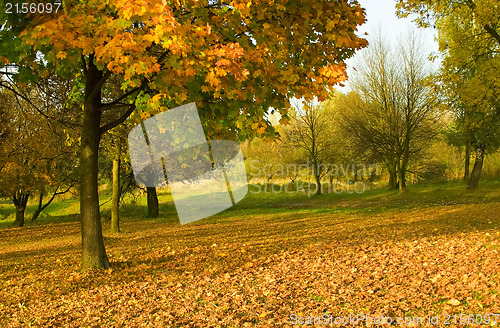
{"type": "Point", "coordinates": [370, 202]}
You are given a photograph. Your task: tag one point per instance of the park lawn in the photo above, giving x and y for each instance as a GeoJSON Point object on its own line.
{"type": "Point", "coordinates": [432, 251]}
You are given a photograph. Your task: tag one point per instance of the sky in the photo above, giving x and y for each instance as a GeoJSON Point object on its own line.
{"type": "Point", "coordinates": [382, 14]}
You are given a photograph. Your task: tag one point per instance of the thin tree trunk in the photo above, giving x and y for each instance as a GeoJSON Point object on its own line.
{"type": "Point", "coordinates": [317, 177]}
{"type": "Point", "coordinates": [405, 156]}
{"type": "Point", "coordinates": [42, 207]}
{"type": "Point", "coordinates": [477, 169]}
{"type": "Point", "coordinates": [93, 252]}
{"type": "Point", "coordinates": [402, 174]}
{"type": "Point", "coordinates": [115, 201]}
{"type": "Point", "coordinates": [467, 162]}
{"type": "Point", "coordinates": [39, 209]}
{"type": "Point", "coordinates": [402, 179]}
{"type": "Point", "coordinates": [268, 184]}
{"type": "Point", "coordinates": [153, 209]}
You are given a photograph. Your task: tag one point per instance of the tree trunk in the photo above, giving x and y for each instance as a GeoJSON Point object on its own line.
{"type": "Point", "coordinates": [115, 201]}
{"type": "Point", "coordinates": [20, 200]}
{"type": "Point", "coordinates": [402, 179]}
{"type": "Point", "coordinates": [39, 209]}
{"type": "Point", "coordinates": [268, 184]}
{"type": "Point", "coordinates": [153, 209]}
{"type": "Point", "coordinates": [402, 173]}
{"type": "Point", "coordinates": [316, 170]}
{"type": "Point", "coordinates": [317, 177]}
{"type": "Point", "coordinates": [467, 162]}
{"type": "Point", "coordinates": [393, 178]}
{"type": "Point", "coordinates": [93, 252]}
{"type": "Point", "coordinates": [19, 216]}
{"type": "Point", "coordinates": [405, 156]}
{"type": "Point", "coordinates": [476, 170]}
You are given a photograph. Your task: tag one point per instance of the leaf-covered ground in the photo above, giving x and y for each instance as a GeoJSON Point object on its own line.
{"type": "Point", "coordinates": [409, 256]}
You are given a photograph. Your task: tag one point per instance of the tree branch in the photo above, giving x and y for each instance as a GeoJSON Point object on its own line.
{"type": "Point", "coordinates": [118, 100]}
{"type": "Point", "coordinates": [65, 191]}
{"type": "Point", "coordinates": [132, 107]}
{"type": "Point", "coordinates": [492, 32]}
{"type": "Point", "coordinates": [118, 121]}
{"type": "Point", "coordinates": [20, 95]}
{"type": "Point", "coordinates": [84, 65]}
{"type": "Point", "coordinates": [97, 88]}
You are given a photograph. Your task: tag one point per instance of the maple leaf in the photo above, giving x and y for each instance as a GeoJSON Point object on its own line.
{"type": "Point", "coordinates": [61, 55]}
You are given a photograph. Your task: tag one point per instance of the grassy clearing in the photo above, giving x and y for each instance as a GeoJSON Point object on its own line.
{"type": "Point", "coordinates": [432, 251]}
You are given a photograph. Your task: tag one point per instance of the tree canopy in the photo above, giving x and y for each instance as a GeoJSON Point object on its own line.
{"type": "Point", "coordinates": [253, 54]}
{"type": "Point", "coordinates": [237, 60]}
{"type": "Point", "coordinates": [469, 39]}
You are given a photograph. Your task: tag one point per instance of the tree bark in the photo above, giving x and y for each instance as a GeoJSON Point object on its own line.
{"type": "Point", "coordinates": [39, 209]}
{"type": "Point", "coordinates": [401, 179]}
{"type": "Point", "coordinates": [317, 177]}
{"type": "Point", "coordinates": [20, 200]}
{"type": "Point", "coordinates": [467, 162]}
{"type": "Point", "coordinates": [93, 252]}
{"type": "Point", "coordinates": [402, 173]}
{"type": "Point", "coordinates": [19, 216]}
{"type": "Point", "coordinates": [477, 169]}
{"type": "Point", "coordinates": [393, 178]}
{"type": "Point", "coordinates": [318, 185]}
{"type": "Point", "coordinates": [153, 209]}
{"type": "Point", "coordinates": [115, 201]}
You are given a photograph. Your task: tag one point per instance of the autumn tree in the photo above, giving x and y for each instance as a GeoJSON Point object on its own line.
{"type": "Point", "coordinates": [291, 159]}
{"type": "Point", "coordinates": [484, 14]}
{"type": "Point", "coordinates": [5, 129]}
{"type": "Point", "coordinates": [308, 132]}
{"type": "Point", "coordinates": [28, 166]}
{"type": "Point", "coordinates": [392, 108]}
{"type": "Point", "coordinates": [8, 150]}
{"type": "Point", "coordinates": [469, 40]}
{"type": "Point", "coordinates": [470, 84]}
{"type": "Point", "coordinates": [39, 112]}
{"type": "Point", "coordinates": [236, 60]}
{"type": "Point", "coordinates": [16, 184]}
{"type": "Point", "coordinates": [347, 154]}
{"type": "Point", "coordinates": [455, 138]}
{"type": "Point", "coordinates": [119, 172]}
{"type": "Point", "coordinates": [114, 146]}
